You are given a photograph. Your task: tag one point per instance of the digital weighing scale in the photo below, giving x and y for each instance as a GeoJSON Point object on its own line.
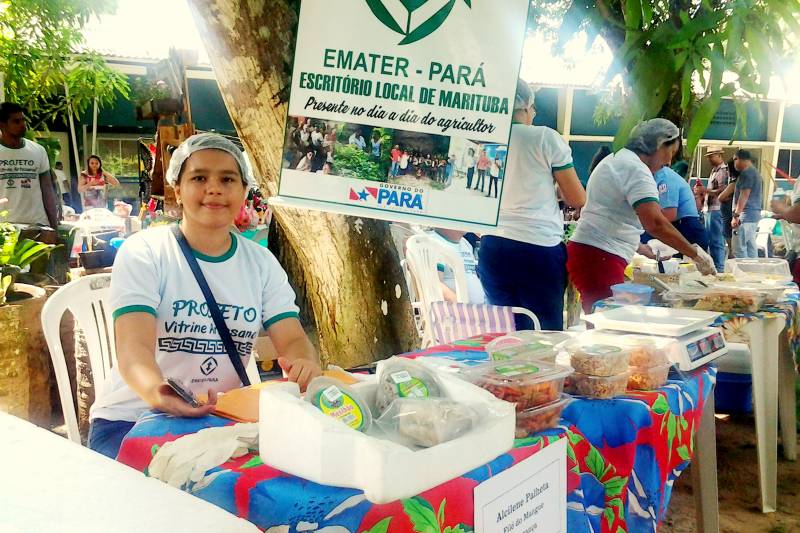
{"type": "Point", "coordinates": [697, 343]}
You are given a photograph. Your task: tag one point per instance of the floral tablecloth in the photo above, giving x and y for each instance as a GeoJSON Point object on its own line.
{"type": "Point", "coordinates": [623, 456]}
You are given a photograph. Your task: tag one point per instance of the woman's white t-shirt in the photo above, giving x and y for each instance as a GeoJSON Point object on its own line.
{"type": "Point", "coordinates": [151, 275]}
{"type": "Point", "coordinates": [529, 209]}
{"type": "Point", "coordinates": [619, 184]}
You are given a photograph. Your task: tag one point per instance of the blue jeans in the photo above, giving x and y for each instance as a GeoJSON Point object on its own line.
{"type": "Point", "coordinates": [716, 239]}
{"type": "Point", "coordinates": [519, 274]}
{"type": "Point", "coordinates": [105, 436]}
{"type": "Point", "coordinates": [744, 240]}
{"type": "Point", "coordinates": [395, 168]}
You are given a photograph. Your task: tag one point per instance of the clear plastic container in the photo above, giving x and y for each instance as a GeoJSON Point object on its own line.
{"type": "Point", "coordinates": [522, 382]}
{"type": "Point", "coordinates": [339, 401]}
{"type": "Point", "coordinates": [763, 268]}
{"type": "Point", "coordinates": [725, 300]}
{"type": "Point", "coordinates": [772, 293]}
{"type": "Point", "coordinates": [596, 386]}
{"type": "Point", "coordinates": [427, 422]}
{"type": "Point", "coordinates": [648, 378]}
{"type": "Point", "coordinates": [538, 419]}
{"type": "Point", "coordinates": [539, 345]}
{"type": "Point", "coordinates": [632, 293]}
{"type": "Point", "coordinates": [404, 378]}
{"type": "Point", "coordinates": [647, 351]}
{"type": "Point", "coordinates": [599, 354]}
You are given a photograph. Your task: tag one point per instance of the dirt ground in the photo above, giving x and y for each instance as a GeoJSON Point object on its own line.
{"type": "Point", "coordinates": [739, 505]}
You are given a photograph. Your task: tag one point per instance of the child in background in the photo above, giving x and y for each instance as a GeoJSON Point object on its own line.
{"type": "Point", "coordinates": [455, 240]}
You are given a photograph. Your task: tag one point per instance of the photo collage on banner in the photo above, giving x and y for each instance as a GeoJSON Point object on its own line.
{"type": "Point", "coordinates": [397, 105]}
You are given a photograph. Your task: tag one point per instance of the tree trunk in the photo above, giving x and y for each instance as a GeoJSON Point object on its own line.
{"type": "Point", "coordinates": [346, 270]}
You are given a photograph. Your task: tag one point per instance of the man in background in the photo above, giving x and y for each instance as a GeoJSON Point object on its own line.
{"type": "Point", "coordinates": [717, 182]}
{"type": "Point", "coordinates": [24, 172]}
{"type": "Point", "coordinates": [746, 205]}
{"type": "Point", "coordinates": [63, 183]}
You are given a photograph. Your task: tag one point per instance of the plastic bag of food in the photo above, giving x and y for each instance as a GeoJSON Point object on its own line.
{"type": "Point", "coordinates": [427, 422]}
{"type": "Point", "coordinates": [405, 378]}
{"type": "Point", "coordinates": [339, 401]}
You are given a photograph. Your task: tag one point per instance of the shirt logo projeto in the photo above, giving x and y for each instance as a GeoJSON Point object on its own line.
{"type": "Point", "coordinates": [412, 34]}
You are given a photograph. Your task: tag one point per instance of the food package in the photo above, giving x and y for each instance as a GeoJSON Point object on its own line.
{"type": "Point", "coordinates": [730, 300]}
{"type": "Point", "coordinates": [426, 422]}
{"type": "Point", "coordinates": [598, 354]}
{"type": "Point", "coordinates": [522, 382]}
{"type": "Point", "coordinates": [772, 293]}
{"type": "Point", "coordinates": [648, 351]}
{"type": "Point", "coordinates": [404, 378]}
{"type": "Point", "coordinates": [648, 378]}
{"type": "Point", "coordinates": [538, 345]}
{"type": "Point", "coordinates": [632, 293]}
{"type": "Point", "coordinates": [595, 386]}
{"type": "Point", "coordinates": [538, 419]}
{"type": "Point", "coordinates": [339, 401]}
{"type": "Point", "coordinates": [761, 269]}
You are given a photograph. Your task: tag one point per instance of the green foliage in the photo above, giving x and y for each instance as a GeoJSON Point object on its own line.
{"type": "Point", "coordinates": [680, 50]}
{"type": "Point", "coordinates": [41, 52]}
{"type": "Point", "coordinates": [143, 90]}
{"type": "Point", "coordinates": [16, 254]}
{"type": "Point", "coordinates": [349, 161]}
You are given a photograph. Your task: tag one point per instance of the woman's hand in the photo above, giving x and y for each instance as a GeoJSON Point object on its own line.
{"type": "Point", "coordinates": [166, 400]}
{"type": "Point", "coordinates": [300, 371]}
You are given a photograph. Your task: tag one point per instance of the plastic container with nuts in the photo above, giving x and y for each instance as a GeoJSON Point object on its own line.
{"type": "Point", "coordinates": [596, 386]}
{"type": "Point", "coordinates": [648, 351]}
{"type": "Point", "coordinates": [522, 382]}
{"type": "Point", "coordinates": [538, 419]}
{"type": "Point", "coordinates": [648, 378]}
{"type": "Point", "coordinates": [598, 354]}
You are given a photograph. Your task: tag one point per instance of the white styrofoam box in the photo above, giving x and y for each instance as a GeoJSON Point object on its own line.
{"type": "Point", "coordinates": [736, 361]}
{"type": "Point", "coordinates": [295, 437]}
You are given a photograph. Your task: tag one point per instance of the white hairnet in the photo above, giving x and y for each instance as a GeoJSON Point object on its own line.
{"type": "Point", "coordinates": [523, 98]}
{"type": "Point", "coordinates": [207, 141]}
{"type": "Point", "coordinates": [649, 135]}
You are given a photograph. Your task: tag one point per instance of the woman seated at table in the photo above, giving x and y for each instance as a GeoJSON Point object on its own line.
{"type": "Point", "coordinates": [161, 320]}
{"type": "Point", "coordinates": [622, 197]}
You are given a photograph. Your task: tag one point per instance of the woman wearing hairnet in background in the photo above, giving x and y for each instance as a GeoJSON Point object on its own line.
{"type": "Point", "coordinates": [162, 324]}
{"type": "Point", "coordinates": [622, 199]}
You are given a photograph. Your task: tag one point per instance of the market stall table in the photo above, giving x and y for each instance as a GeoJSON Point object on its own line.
{"type": "Point", "coordinates": [623, 457]}
{"type": "Point", "coordinates": [772, 336]}
{"type": "Point", "coordinates": [52, 484]}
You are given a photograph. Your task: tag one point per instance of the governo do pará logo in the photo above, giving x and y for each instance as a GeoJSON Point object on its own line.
{"type": "Point", "coordinates": [412, 34]}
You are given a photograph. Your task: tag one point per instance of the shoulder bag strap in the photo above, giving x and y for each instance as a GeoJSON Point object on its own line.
{"type": "Point", "coordinates": [213, 308]}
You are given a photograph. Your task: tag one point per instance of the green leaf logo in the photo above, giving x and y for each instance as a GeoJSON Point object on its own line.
{"type": "Point", "coordinates": [412, 35]}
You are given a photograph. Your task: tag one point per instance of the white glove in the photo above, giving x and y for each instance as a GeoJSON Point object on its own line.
{"type": "Point", "coordinates": [190, 457]}
{"type": "Point", "coordinates": [703, 262]}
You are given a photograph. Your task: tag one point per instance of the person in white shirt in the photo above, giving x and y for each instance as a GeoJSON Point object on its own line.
{"type": "Point", "coordinates": [162, 324]}
{"type": "Point", "coordinates": [25, 178]}
{"type": "Point", "coordinates": [469, 162]}
{"type": "Point", "coordinates": [622, 200]}
{"type": "Point", "coordinates": [357, 140]}
{"type": "Point", "coordinates": [455, 240]}
{"type": "Point", "coordinates": [63, 183]}
{"type": "Point", "coordinates": [522, 261]}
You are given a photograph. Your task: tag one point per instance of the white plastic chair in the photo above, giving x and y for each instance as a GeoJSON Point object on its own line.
{"type": "Point", "coordinates": [424, 254]}
{"type": "Point", "coordinates": [400, 235]}
{"type": "Point", "coordinates": [413, 296]}
{"type": "Point", "coordinates": [765, 227]}
{"type": "Point", "coordinates": [86, 298]}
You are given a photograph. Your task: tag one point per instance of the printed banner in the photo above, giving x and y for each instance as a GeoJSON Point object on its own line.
{"type": "Point", "coordinates": [401, 109]}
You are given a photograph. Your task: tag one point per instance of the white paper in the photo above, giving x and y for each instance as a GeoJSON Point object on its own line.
{"type": "Point", "coordinates": [530, 497]}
